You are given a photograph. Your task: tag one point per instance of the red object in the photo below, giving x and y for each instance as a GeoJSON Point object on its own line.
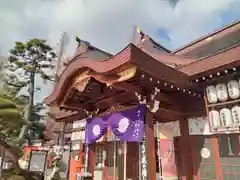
{"type": "Point", "coordinates": [76, 165]}
{"type": "Point", "coordinates": [30, 148]}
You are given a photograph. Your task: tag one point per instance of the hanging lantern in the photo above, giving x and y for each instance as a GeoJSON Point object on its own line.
{"type": "Point", "coordinates": [233, 89]}
{"type": "Point", "coordinates": [214, 119]}
{"type": "Point", "coordinates": [222, 92]}
{"type": "Point", "coordinates": [211, 94]}
{"type": "Point", "coordinates": [236, 115]}
{"type": "Point", "coordinates": [226, 117]}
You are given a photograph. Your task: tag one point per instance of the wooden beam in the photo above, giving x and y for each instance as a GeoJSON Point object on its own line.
{"type": "Point", "coordinates": [165, 96]}
{"type": "Point", "coordinates": [169, 114]}
{"type": "Point", "coordinates": [126, 87]}
{"type": "Point", "coordinates": [203, 84]}
{"type": "Point", "coordinates": [151, 150]}
{"type": "Point", "coordinates": [173, 115]}
{"type": "Point", "coordinates": [120, 98]}
{"type": "Point", "coordinates": [185, 102]}
{"type": "Point", "coordinates": [163, 113]}
{"type": "Point", "coordinates": [128, 96]}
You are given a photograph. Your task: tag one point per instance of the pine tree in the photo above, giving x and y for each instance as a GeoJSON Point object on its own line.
{"type": "Point", "coordinates": [29, 59]}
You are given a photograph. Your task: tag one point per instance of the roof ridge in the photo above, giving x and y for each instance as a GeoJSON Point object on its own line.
{"type": "Point", "coordinates": [142, 34]}
{"type": "Point", "coordinates": [206, 36]}
{"type": "Point", "coordinates": [211, 55]}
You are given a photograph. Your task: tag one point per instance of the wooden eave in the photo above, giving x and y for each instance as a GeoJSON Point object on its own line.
{"type": "Point", "coordinates": [157, 51]}
{"type": "Point", "coordinates": [129, 55]}
{"type": "Point", "coordinates": [132, 55]}
{"type": "Point", "coordinates": [63, 114]}
{"type": "Point", "coordinates": [165, 57]}
{"type": "Point", "coordinates": [226, 59]}
{"type": "Point", "coordinates": [127, 97]}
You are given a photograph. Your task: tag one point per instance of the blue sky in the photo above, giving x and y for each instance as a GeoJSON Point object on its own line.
{"type": "Point", "coordinates": [227, 17]}
{"type": "Point", "coordinates": [108, 24]}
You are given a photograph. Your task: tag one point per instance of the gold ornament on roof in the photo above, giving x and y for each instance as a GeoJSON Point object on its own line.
{"type": "Point", "coordinates": [138, 30]}
{"type": "Point", "coordinates": [127, 74]}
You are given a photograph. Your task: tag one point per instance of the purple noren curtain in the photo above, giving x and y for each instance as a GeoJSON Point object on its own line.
{"type": "Point", "coordinates": [128, 125]}
{"type": "Point", "coordinates": [96, 127]}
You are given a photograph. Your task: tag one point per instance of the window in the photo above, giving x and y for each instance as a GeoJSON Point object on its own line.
{"type": "Point", "coordinates": [78, 135]}
{"type": "Point", "coordinates": [99, 151]}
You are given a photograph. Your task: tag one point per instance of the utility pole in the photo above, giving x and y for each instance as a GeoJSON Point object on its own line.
{"type": "Point", "coordinates": [60, 51]}
{"type": "Point", "coordinates": [61, 48]}
{"type": "Point", "coordinates": [60, 139]}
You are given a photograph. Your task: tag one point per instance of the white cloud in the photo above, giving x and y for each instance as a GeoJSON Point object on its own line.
{"type": "Point", "coordinates": [108, 24]}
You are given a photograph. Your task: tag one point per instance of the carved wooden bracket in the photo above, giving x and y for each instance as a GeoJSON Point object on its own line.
{"type": "Point", "coordinates": [91, 113]}
{"type": "Point", "coordinates": [153, 102]}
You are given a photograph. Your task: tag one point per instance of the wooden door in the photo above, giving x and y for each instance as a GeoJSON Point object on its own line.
{"type": "Point", "coordinates": [132, 160]}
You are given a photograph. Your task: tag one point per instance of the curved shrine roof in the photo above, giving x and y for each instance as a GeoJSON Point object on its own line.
{"type": "Point", "coordinates": [130, 54]}
{"type": "Point", "coordinates": [149, 57]}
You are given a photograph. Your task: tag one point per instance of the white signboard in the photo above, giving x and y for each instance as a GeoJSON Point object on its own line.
{"type": "Point", "coordinates": [37, 161]}
{"type": "Point", "coordinates": [78, 135]}
{"type": "Point", "coordinates": [199, 126]}
{"type": "Point", "coordinates": [79, 124]}
{"type": "Point", "coordinates": [76, 146]}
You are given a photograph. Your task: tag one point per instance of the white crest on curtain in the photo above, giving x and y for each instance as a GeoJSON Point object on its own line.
{"type": "Point", "coordinates": [123, 125]}
{"type": "Point", "coordinates": [96, 130]}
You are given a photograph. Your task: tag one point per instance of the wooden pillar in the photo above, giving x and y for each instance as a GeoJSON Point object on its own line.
{"type": "Point", "coordinates": [150, 147]}
{"type": "Point", "coordinates": [195, 157]}
{"type": "Point", "coordinates": [91, 159]}
{"type": "Point", "coordinates": [185, 152]}
{"type": "Point", "coordinates": [215, 147]}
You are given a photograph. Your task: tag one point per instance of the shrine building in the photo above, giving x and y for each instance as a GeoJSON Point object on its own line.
{"type": "Point", "coordinates": [151, 113]}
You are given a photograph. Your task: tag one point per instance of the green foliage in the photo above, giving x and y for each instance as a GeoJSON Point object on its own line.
{"type": "Point", "coordinates": [19, 115]}
{"type": "Point", "coordinates": [15, 173]}
{"type": "Point", "coordinates": [11, 115]}
{"type": "Point", "coordinates": [29, 59]}
{"type": "Point", "coordinates": [33, 56]}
